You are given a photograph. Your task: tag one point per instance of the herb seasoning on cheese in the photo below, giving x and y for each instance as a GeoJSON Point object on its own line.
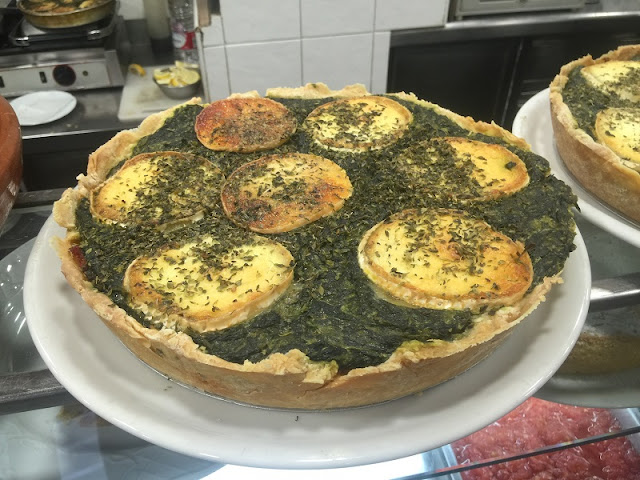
{"type": "Point", "coordinates": [306, 204]}
{"type": "Point", "coordinates": [591, 89]}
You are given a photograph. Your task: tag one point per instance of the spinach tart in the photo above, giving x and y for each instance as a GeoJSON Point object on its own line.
{"type": "Point", "coordinates": [595, 113]}
{"type": "Point", "coordinates": [314, 249]}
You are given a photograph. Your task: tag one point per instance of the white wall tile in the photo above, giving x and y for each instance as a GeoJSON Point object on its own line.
{"type": "Point", "coordinates": [217, 73]}
{"type": "Point", "coordinates": [212, 34]}
{"type": "Point", "coordinates": [338, 60]}
{"type": "Point", "coordinates": [258, 66]}
{"type": "Point", "coordinates": [399, 14]}
{"type": "Point", "coordinates": [379, 72]}
{"type": "Point", "coordinates": [260, 20]}
{"type": "Point", "coordinates": [336, 17]}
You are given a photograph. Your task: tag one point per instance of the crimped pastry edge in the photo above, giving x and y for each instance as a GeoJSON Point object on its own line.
{"type": "Point", "coordinates": [596, 167]}
{"type": "Point", "coordinates": [288, 380]}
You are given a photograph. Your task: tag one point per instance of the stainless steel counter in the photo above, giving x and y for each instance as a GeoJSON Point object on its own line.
{"type": "Point", "coordinates": [56, 152]}
{"type": "Point", "coordinates": [96, 111]}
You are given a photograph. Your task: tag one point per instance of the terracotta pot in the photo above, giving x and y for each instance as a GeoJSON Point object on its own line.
{"type": "Point", "coordinates": [10, 158]}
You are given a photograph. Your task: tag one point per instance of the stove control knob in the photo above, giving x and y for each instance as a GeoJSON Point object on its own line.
{"type": "Point", "coordinates": [64, 75]}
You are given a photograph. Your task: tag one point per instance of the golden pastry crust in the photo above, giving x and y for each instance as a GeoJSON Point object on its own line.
{"type": "Point", "coordinates": [104, 159]}
{"type": "Point", "coordinates": [287, 380]}
{"type": "Point", "coordinates": [599, 169]}
{"type": "Point", "coordinates": [291, 380]}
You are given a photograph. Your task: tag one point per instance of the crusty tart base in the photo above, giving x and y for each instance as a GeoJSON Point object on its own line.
{"type": "Point", "coordinates": [287, 380]}
{"type": "Point", "coordinates": [595, 166]}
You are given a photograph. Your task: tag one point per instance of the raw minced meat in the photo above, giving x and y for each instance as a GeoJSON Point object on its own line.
{"type": "Point", "coordinates": [538, 423]}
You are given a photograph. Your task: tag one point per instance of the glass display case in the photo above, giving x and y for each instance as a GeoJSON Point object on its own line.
{"type": "Point", "coordinates": [576, 424]}
{"type": "Point", "coordinates": [581, 421]}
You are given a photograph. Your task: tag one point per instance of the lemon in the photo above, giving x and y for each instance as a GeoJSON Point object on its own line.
{"type": "Point", "coordinates": [187, 76]}
{"type": "Point", "coordinates": [177, 75]}
{"type": "Point", "coordinates": [181, 64]}
{"type": "Point", "coordinates": [137, 69]}
{"type": "Point", "coordinates": [162, 75]}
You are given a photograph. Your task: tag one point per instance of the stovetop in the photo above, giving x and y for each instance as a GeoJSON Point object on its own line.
{"type": "Point", "coordinates": [24, 34]}
{"type": "Point", "coordinates": [80, 58]}
{"type": "Point", "coordinates": [18, 36]}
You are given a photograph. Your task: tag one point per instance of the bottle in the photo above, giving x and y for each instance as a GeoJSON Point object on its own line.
{"type": "Point", "coordinates": [157, 19]}
{"type": "Point", "coordinates": [183, 31]}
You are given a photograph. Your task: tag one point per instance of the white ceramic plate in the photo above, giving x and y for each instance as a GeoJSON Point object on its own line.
{"type": "Point", "coordinates": [43, 107]}
{"type": "Point", "coordinates": [102, 374]}
{"type": "Point", "coordinates": [533, 123]}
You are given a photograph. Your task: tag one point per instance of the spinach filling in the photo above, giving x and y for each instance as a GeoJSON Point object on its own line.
{"type": "Point", "coordinates": [585, 101]}
{"type": "Point", "coordinates": [330, 312]}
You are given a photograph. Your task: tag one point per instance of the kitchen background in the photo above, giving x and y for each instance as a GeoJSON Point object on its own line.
{"type": "Point", "coordinates": [257, 44]}
{"type": "Point", "coordinates": [482, 58]}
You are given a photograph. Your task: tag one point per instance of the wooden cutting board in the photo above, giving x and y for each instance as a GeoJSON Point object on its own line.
{"type": "Point", "coordinates": [141, 96]}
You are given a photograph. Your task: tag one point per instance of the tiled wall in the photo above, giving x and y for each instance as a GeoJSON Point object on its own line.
{"type": "Point", "coordinates": [257, 44]}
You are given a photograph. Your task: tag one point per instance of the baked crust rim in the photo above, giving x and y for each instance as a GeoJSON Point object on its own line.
{"type": "Point", "coordinates": [596, 167]}
{"type": "Point", "coordinates": [287, 380]}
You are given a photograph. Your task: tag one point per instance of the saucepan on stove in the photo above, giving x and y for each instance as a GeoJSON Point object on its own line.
{"type": "Point", "coordinates": [57, 14]}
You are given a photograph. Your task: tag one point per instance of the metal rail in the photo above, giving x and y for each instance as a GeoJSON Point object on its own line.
{"type": "Point", "coordinates": [610, 293]}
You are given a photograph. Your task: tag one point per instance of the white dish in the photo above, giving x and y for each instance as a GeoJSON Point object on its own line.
{"type": "Point", "coordinates": [43, 107]}
{"type": "Point", "coordinates": [102, 374]}
{"type": "Point", "coordinates": [533, 123]}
